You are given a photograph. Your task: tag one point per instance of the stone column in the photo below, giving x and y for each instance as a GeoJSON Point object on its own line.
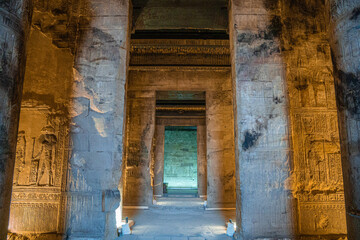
{"type": "Point", "coordinates": [140, 132]}
{"type": "Point", "coordinates": [159, 160]}
{"type": "Point", "coordinates": [264, 205]}
{"type": "Point", "coordinates": [97, 115]}
{"type": "Point", "coordinates": [220, 149]}
{"type": "Point", "coordinates": [345, 44]}
{"type": "Point", "coordinates": [201, 160]}
{"type": "Point", "coordinates": [14, 19]}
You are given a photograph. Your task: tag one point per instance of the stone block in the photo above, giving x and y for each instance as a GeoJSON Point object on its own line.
{"type": "Point", "coordinates": [99, 143]}
{"type": "Point", "coordinates": [80, 142]}
{"type": "Point", "coordinates": [87, 221]}
{"type": "Point", "coordinates": [105, 8]}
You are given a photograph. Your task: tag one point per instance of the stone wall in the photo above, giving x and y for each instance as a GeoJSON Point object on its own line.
{"type": "Point", "coordinates": [143, 82]}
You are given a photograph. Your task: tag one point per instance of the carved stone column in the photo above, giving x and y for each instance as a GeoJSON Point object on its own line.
{"type": "Point", "coordinates": [14, 18]}
{"type": "Point", "coordinates": [159, 160]}
{"type": "Point", "coordinates": [264, 203]}
{"type": "Point", "coordinates": [220, 148]}
{"type": "Point", "coordinates": [201, 160]}
{"type": "Point", "coordinates": [345, 43]}
{"type": "Point", "coordinates": [97, 115]}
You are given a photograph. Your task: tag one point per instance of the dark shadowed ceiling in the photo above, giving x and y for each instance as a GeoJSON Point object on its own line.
{"type": "Point", "coordinates": [180, 16]}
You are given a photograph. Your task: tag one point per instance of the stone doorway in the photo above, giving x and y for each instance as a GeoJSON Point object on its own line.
{"type": "Point", "coordinates": [180, 161]}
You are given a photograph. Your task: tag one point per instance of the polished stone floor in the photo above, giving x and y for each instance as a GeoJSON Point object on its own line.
{"type": "Point", "coordinates": [178, 219]}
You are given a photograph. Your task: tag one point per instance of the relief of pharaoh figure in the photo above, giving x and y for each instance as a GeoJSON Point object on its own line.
{"type": "Point", "coordinates": [20, 156]}
{"type": "Point", "coordinates": [46, 157]}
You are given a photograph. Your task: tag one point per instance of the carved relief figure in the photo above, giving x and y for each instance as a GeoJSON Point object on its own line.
{"type": "Point", "coordinates": [322, 150]}
{"type": "Point", "coordinates": [46, 157]}
{"type": "Point", "coordinates": [20, 156]}
{"type": "Point", "coordinates": [312, 90]}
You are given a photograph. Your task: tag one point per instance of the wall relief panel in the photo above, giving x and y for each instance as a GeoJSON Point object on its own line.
{"type": "Point", "coordinates": [319, 184]}
{"type": "Point", "coordinates": [41, 160]}
{"type": "Point", "coordinates": [318, 188]}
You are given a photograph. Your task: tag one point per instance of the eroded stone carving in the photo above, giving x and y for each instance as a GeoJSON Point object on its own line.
{"type": "Point", "coordinates": [46, 157]}
{"type": "Point", "coordinates": [20, 156]}
{"type": "Point", "coordinates": [39, 171]}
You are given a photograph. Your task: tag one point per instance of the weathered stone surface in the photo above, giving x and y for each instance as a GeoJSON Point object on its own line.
{"type": "Point", "coordinates": [43, 141]}
{"type": "Point", "coordinates": [265, 205]}
{"type": "Point", "coordinates": [40, 169]}
{"type": "Point", "coordinates": [140, 129]}
{"type": "Point", "coordinates": [40, 180]}
{"type": "Point", "coordinates": [179, 52]}
{"type": "Point", "coordinates": [316, 175]}
{"type": "Point", "coordinates": [202, 161]}
{"type": "Point", "coordinates": [159, 163]}
{"type": "Point", "coordinates": [15, 16]}
{"type": "Point", "coordinates": [99, 90]}
{"type": "Point", "coordinates": [77, 91]}
{"type": "Point", "coordinates": [286, 49]}
{"type": "Point", "coordinates": [220, 147]}
{"type": "Point", "coordinates": [344, 36]}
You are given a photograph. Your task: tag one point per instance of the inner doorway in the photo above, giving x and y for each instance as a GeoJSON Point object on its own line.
{"type": "Point", "coordinates": [180, 161]}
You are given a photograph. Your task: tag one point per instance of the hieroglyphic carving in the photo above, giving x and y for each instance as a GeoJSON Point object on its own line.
{"type": "Point", "coordinates": [312, 91]}
{"type": "Point", "coordinates": [20, 156]}
{"type": "Point", "coordinates": [320, 150]}
{"type": "Point", "coordinates": [321, 217]}
{"type": "Point", "coordinates": [36, 205]}
{"type": "Point", "coordinates": [180, 52]}
{"type": "Point", "coordinates": [17, 196]}
{"type": "Point", "coordinates": [320, 186]}
{"type": "Point", "coordinates": [40, 170]}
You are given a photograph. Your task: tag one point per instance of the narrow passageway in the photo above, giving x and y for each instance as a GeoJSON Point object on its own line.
{"type": "Point", "coordinates": [178, 219]}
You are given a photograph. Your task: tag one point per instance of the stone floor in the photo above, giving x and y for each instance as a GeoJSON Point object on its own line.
{"type": "Point", "coordinates": [178, 219]}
